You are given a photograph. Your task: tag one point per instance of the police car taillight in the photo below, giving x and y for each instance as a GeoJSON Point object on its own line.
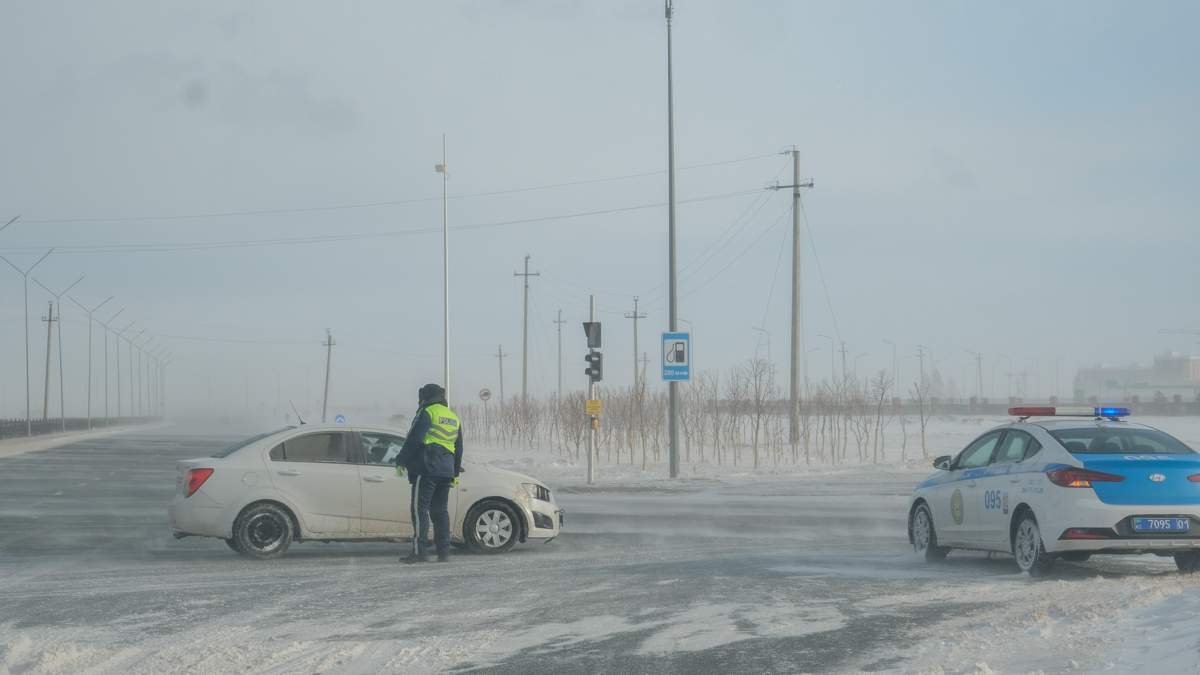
{"type": "Point", "coordinates": [1074, 477]}
{"type": "Point", "coordinates": [196, 478]}
{"type": "Point", "coordinates": [1068, 411]}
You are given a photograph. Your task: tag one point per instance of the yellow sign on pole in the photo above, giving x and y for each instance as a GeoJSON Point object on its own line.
{"type": "Point", "coordinates": [594, 407]}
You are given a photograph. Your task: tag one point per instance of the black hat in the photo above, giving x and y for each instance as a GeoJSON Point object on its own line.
{"type": "Point", "coordinates": [431, 393]}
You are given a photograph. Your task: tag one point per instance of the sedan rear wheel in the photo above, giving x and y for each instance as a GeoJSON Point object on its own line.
{"type": "Point", "coordinates": [491, 527]}
{"type": "Point", "coordinates": [1028, 548]}
{"type": "Point", "coordinates": [1188, 561]}
{"type": "Point", "coordinates": [924, 537]}
{"type": "Point", "coordinates": [262, 531]}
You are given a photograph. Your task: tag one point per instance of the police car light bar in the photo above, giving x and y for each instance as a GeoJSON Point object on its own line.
{"type": "Point", "coordinates": [1068, 411]}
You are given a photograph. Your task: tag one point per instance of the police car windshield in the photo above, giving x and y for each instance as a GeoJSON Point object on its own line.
{"type": "Point", "coordinates": [1119, 441]}
{"type": "Point", "coordinates": [225, 452]}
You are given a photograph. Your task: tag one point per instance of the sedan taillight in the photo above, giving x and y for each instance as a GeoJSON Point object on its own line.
{"type": "Point", "coordinates": [196, 478]}
{"type": "Point", "coordinates": [1195, 478]}
{"type": "Point", "coordinates": [1075, 477]}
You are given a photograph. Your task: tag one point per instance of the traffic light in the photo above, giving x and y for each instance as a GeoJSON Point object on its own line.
{"type": "Point", "coordinates": [595, 369]}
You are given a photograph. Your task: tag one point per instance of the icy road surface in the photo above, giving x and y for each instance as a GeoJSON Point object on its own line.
{"type": "Point", "coordinates": [803, 573]}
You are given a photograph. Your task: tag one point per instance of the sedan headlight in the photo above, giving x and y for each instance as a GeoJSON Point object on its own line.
{"type": "Point", "coordinates": [535, 491]}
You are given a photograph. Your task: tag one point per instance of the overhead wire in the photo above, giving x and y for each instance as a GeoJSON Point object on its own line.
{"type": "Point", "coordinates": [321, 239]}
{"type": "Point", "coordinates": [375, 204]}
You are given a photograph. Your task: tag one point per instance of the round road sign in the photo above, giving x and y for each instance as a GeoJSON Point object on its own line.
{"type": "Point", "coordinates": [485, 394]}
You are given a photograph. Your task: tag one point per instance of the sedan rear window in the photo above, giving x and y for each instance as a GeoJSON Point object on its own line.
{"type": "Point", "coordinates": [1114, 441]}
{"type": "Point", "coordinates": [225, 452]}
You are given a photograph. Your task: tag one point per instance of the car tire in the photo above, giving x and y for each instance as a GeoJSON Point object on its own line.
{"type": "Point", "coordinates": [233, 544]}
{"type": "Point", "coordinates": [491, 527]}
{"type": "Point", "coordinates": [263, 531]}
{"type": "Point", "coordinates": [1028, 548]}
{"type": "Point", "coordinates": [1075, 556]}
{"type": "Point", "coordinates": [924, 537]}
{"type": "Point", "coordinates": [1188, 562]}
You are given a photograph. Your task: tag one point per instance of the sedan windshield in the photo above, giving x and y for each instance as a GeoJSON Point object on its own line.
{"type": "Point", "coordinates": [225, 452]}
{"type": "Point", "coordinates": [1116, 441]}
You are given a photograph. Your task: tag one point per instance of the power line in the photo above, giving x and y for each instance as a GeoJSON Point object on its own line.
{"type": "Point", "coordinates": [820, 274]}
{"type": "Point", "coordinates": [322, 239]}
{"type": "Point", "coordinates": [370, 205]}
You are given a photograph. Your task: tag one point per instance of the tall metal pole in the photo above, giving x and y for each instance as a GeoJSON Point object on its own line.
{"type": "Point", "coordinates": [635, 315]}
{"type": "Point", "coordinates": [328, 344]}
{"type": "Point", "coordinates": [90, 314]}
{"type": "Point", "coordinates": [62, 405]}
{"type": "Point", "coordinates": [108, 389]}
{"type": "Point", "coordinates": [444, 170]}
{"type": "Point", "coordinates": [25, 274]}
{"type": "Point", "coordinates": [132, 382]}
{"type": "Point", "coordinates": [525, 331]}
{"type": "Point", "coordinates": [559, 324]}
{"type": "Point", "coordinates": [672, 387]}
{"type": "Point", "coordinates": [591, 471]}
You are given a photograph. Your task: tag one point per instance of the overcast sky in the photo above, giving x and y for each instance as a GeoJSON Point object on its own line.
{"type": "Point", "coordinates": [1009, 178]}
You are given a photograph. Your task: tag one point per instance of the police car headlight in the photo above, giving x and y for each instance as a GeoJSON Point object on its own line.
{"type": "Point", "coordinates": [535, 491]}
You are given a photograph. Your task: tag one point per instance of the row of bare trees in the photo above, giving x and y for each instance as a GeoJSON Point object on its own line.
{"type": "Point", "coordinates": [734, 418]}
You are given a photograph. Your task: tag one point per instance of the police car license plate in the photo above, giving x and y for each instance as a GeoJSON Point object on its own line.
{"type": "Point", "coordinates": [1161, 525]}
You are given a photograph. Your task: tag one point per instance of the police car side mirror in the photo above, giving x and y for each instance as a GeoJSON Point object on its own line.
{"type": "Point", "coordinates": [943, 463]}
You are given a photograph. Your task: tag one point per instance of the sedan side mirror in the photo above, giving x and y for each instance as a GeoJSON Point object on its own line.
{"type": "Point", "coordinates": [943, 463]}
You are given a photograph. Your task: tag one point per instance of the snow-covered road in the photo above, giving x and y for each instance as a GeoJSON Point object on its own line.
{"type": "Point", "coordinates": [753, 573]}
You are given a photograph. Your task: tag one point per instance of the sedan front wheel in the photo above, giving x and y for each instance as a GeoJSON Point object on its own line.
{"type": "Point", "coordinates": [491, 527]}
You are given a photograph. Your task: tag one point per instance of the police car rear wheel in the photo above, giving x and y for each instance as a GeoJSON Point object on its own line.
{"type": "Point", "coordinates": [1188, 561]}
{"type": "Point", "coordinates": [491, 527]}
{"type": "Point", "coordinates": [924, 536]}
{"type": "Point", "coordinates": [1028, 548]}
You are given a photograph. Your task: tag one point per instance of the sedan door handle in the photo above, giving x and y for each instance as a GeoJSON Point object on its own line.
{"type": "Point", "coordinates": [288, 472]}
{"type": "Point", "coordinates": [373, 479]}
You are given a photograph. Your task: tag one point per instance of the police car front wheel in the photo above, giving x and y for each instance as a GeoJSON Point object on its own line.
{"type": "Point", "coordinates": [924, 537]}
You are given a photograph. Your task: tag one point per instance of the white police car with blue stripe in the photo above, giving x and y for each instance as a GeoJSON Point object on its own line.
{"type": "Point", "coordinates": [1065, 488]}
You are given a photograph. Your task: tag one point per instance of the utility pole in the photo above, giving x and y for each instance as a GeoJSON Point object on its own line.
{"type": "Point", "coordinates": [525, 331]}
{"type": "Point", "coordinates": [797, 348]}
{"type": "Point", "coordinates": [673, 304]}
{"type": "Point", "coordinates": [635, 315]}
{"type": "Point", "coordinates": [62, 406]}
{"type": "Point", "coordinates": [844, 378]}
{"type": "Point", "coordinates": [921, 363]}
{"type": "Point", "coordinates": [559, 324]}
{"type": "Point", "coordinates": [25, 274]}
{"type": "Point", "coordinates": [500, 356]}
{"type": "Point", "coordinates": [444, 169]}
{"type": "Point", "coordinates": [90, 313]}
{"type": "Point", "coordinates": [328, 345]}
{"type": "Point", "coordinates": [49, 319]}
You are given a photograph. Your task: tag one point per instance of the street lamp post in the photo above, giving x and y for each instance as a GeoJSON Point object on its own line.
{"type": "Point", "coordinates": [25, 273]}
{"type": "Point", "coordinates": [89, 313]}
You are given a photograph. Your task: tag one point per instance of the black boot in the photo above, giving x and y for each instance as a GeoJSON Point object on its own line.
{"type": "Point", "coordinates": [443, 557]}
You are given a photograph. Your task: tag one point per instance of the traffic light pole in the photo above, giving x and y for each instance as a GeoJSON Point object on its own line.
{"type": "Point", "coordinates": [591, 471]}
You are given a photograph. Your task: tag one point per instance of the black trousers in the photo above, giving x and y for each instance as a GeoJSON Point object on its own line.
{"type": "Point", "coordinates": [430, 499]}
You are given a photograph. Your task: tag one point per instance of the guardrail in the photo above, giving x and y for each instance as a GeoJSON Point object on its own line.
{"type": "Point", "coordinates": [18, 429]}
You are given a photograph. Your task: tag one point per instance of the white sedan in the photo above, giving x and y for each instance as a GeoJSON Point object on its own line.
{"type": "Point", "coordinates": [1063, 488]}
{"type": "Point", "coordinates": [338, 483]}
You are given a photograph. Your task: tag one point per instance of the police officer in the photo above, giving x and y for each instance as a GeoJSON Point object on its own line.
{"type": "Point", "coordinates": [432, 457]}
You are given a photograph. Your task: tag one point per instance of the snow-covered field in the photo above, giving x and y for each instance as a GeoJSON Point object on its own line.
{"type": "Point", "coordinates": [786, 569]}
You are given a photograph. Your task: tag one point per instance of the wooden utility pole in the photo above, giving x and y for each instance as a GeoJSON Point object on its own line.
{"type": "Point", "coordinates": [500, 356]}
{"type": "Point", "coordinates": [559, 324]}
{"type": "Point", "coordinates": [525, 331]}
{"type": "Point", "coordinates": [635, 315]}
{"type": "Point", "coordinates": [328, 345]}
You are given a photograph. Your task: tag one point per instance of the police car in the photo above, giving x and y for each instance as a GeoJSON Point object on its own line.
{"type": "Point", "coordinates": [1081, 482]}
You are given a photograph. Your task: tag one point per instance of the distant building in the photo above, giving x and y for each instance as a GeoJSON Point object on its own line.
{"type": "Point", "coordinates": [1172, 377]}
